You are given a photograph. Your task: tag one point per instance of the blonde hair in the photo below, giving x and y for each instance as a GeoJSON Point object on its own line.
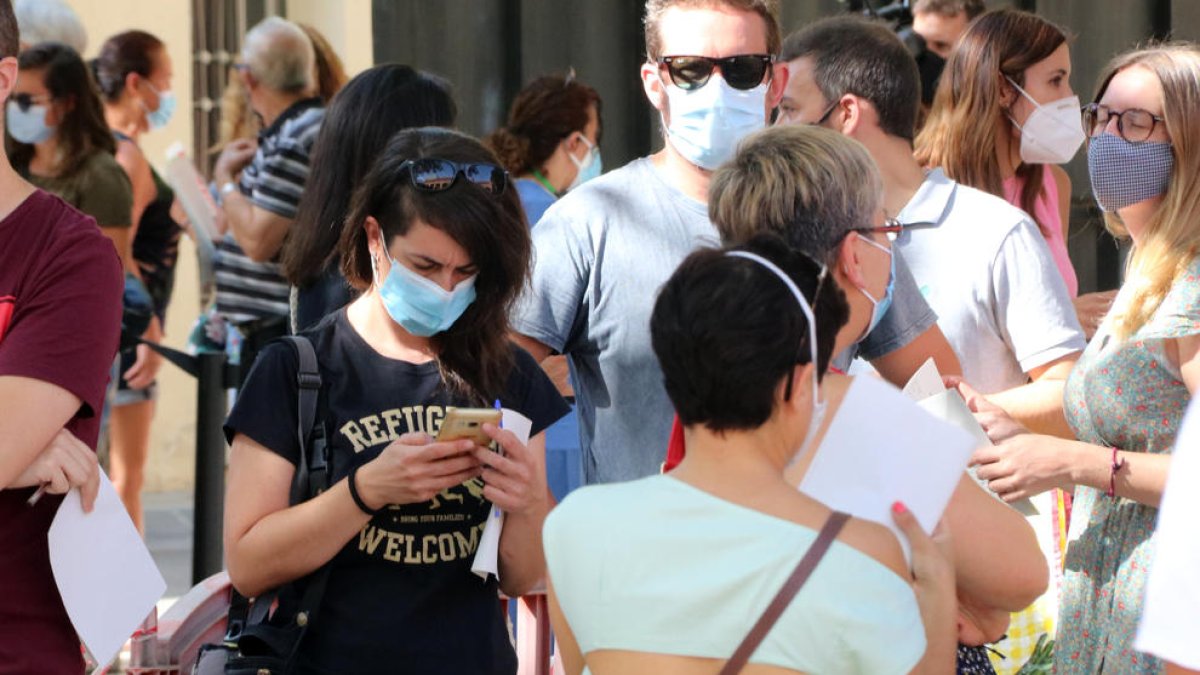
{"type": "Point", "coordinates": [1172, 237]}
{"type": "Point", "coordinates": [767, 9]}
{"type": "Point", "coordinates": [237, 119]}
{"type": "Point", "coordinates": [967, 117]}
{"type": "Point", "coordinates": [806, 184]}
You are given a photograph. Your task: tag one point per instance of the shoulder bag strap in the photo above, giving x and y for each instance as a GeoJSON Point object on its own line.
{"type": "Point", "coordinates": [829, 532]}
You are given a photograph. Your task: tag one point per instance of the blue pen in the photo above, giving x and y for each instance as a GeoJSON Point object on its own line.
{"type": "Point", "coordinates": [497, 406]}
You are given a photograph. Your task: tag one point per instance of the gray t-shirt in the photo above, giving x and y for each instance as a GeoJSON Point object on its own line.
{"type": "Point", "coordinates": [601, 254]}
{"type": "Point", "coordinates": [988, 273]}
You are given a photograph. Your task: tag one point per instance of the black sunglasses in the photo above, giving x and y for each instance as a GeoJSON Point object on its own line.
{"type": "Point", "coordinates": [26, 101]}
{"type": "Point", "coordinates": [744, 71]}
{"type": "Point", "coordinates": [435, 175]}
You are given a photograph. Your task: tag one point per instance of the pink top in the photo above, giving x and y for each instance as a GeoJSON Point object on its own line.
{"type": "Point", "coordinates": [1046, 213]}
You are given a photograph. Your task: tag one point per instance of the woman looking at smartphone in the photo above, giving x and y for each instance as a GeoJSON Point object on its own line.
{"type": "Point", "coordinates": [437, 243]}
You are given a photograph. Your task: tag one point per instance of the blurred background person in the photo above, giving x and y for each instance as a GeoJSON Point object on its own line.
{"type": "Point", "coordinates": [58, 139]}
{"type": "Point", "coordinates": [133, 72]}
{"type": "Point", "coordinates": [239, 121]}
{"type": "Point", "coordinates": [260, 183]}
{"type": "Point", "coordinates": [942, 22]}
{"type": "Point", "coordinates": [49, 21]}
{"type": "Point", "coordinates": [551, 141]}
{"type": "Point", "coordinates": [1004, 122]}
{"type": "Point", "coordinates": [372, 107]}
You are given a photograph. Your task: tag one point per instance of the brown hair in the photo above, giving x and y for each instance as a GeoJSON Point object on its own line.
{"type": "Point", "coordinates": [962, 130]}
{"type": "Point", "coordinates": [972, 8]}
{"type": "Point", "coordinates": [767, 9]}
{"type": "Point", "coordinates": [10, 39]}
{"type": "Point", "coordinates": [133, 51]}
{"type": "Point", "coordinates": [474, 354]}
{"type": "Point", "coordinates": [331, 74]}
{"type": "Point", "coordinates": [545, 112]}
{"type": "Point", "coordinates": [83, 131]}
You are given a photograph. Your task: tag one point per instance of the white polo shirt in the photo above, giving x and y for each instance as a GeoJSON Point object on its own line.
{"type": "Point", "coordinates": [986, 270]}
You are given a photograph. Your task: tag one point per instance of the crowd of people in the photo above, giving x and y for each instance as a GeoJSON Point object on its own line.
{"type": "Point", "coordinates": [686, 327]}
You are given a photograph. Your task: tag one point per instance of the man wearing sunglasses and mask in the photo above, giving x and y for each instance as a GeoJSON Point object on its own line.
{"type": "Point", "coordinates": [60, 313]}
{"type": "Point", "coordinates": [603, 250]}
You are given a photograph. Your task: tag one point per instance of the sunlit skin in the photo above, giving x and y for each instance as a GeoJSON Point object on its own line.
{"type": "Point", "coordinates": [940, 32]}
{"type": "Point", "coordinates": [1046, 81]}
{"type": "Point", "coordinates": [716, 32]}
{"type": "Point", "coordinates": [1136, 87]}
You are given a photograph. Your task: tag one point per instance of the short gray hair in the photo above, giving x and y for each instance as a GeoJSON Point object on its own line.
{"type": "Point", "coordinates": [279, 55]}
{"type": "Point", "coordinates": [50, 21]}
{"type": "Point", "coordinates": [806, 184]}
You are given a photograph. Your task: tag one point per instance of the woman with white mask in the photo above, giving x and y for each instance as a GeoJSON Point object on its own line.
{"type": "Point", "coordinates": [1003, 122]}
{"type": "Point", "coordinates": [551, 142]}
{"type": "Point", "coordinates": [133, 73]}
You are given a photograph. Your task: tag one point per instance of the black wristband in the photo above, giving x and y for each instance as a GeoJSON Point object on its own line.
{"type": "Point", "coordinates": [358, 500]}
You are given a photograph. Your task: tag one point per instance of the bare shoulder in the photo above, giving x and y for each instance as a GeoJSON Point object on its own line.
{"type": "Point", "coordinates": [876, 541]}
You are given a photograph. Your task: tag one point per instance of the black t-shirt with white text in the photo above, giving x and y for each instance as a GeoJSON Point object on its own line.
{"type": "Point", "coordinates": [401, 596]}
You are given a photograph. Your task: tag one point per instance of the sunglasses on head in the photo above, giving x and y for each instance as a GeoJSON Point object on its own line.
{"type": "Point", "coordinates": [26, 101]}
{"type": "Point", "coordinates": [435, 175]}
{"type": "Point", "coordinates": [744, 71]}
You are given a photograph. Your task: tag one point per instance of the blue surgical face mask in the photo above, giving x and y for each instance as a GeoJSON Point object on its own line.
{"type": "Point", "coordinates": [708, 123]}
{"type": "Point", "coordinates": [28, 126]}
{"type": "Point", "coordinates": [588, 168]}
{"type": "Point", "coordinates": [881, 306]}
{"type": "Point", "coordinates": [1125, 173]}
{"type": "Point", "coordinates": [166, 107]}
{"type": "Point", "coordinates": [419, 305]}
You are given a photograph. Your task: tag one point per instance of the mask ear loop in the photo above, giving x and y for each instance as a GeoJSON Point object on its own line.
{"type": "Point", "coordinates": [818, 415]}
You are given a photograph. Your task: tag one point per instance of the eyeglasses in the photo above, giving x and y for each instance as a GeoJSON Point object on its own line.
{"type": "Point", "coordinates": [1134, 125]}
{"type": "Point", "coordinates": [892, 228]}
{"type": "Point", "coordinates": [26, 101]}
{"type": "Point", "coordinates": [744, 71]}
{"type": "Point", "coordinates": [436, 175]}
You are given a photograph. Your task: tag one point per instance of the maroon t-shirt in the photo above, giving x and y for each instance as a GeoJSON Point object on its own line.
{"type": "Point", "coordinates": [60, 291]}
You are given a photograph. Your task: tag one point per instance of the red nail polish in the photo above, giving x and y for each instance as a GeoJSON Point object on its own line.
{"type": "Point", "coordinates": [899, 507]}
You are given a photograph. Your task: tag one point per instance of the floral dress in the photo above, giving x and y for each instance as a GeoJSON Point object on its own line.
{"type": "Point", "coordinates": [1123, 394]}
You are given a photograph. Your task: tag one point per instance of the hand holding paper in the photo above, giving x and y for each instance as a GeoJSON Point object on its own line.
{"type": "Point", "coordinates": [499, 489]}
{"type": "Point", "coordinates": [107, 579]}
{"type": "Point", "coordinates": [903, 454]}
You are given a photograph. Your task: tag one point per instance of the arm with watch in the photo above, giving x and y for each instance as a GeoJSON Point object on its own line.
{"type": "Point", "coordinates": [256, 230]}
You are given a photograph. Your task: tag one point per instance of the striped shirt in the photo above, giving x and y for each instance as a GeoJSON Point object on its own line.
{"type": "Point", "coordinates": [273, 181]}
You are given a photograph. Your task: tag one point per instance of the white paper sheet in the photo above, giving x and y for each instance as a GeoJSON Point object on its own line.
{"type": "Point", "coordinates": [487, 556]}
{"type": "Point", "coordinates": [949, 406]}
{"type": "Point", "coordinates": [882, 448]}
{"type": "Point", "coordinates": [107, 579]}
{"type": "Point", "coordinates": [926, 382]}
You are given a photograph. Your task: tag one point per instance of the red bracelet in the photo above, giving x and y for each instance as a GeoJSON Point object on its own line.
{"type": "Point", "coordinates": [1117, 463]}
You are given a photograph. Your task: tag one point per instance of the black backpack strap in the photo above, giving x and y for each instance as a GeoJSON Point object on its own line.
{"type": "Point", "coordinates": [311, 478]}
{"type": "Point", "coordinates": [312, 468]}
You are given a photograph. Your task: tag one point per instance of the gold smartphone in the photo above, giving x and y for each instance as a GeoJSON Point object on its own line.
{"type": "Point", "coordinates": [468, 423]}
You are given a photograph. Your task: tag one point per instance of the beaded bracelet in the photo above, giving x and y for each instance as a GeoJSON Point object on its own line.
{"type": "Point", "coordinates": [358, 500]}
{"type": "Point", "coordinates": [1117, 463]}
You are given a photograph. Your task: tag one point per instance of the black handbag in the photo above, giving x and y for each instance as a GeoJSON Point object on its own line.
{"type": "Point", "coordinates": [259, 641]}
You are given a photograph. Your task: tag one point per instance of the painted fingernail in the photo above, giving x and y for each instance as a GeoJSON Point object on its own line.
{"type": "Point", "coordinates": [899, 508]}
